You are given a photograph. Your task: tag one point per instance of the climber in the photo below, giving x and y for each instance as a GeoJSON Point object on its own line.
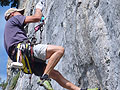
{"type": "Point", "coordinates": [14, 34]}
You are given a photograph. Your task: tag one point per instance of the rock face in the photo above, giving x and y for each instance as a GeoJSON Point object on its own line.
{"type": "Point", "coordinates": [90, 34]}
{"type": "Point", "coordinates": [8, 68]}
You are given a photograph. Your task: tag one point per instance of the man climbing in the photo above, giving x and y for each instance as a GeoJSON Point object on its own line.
{"type": "Point", "coordinates": [15, 34]}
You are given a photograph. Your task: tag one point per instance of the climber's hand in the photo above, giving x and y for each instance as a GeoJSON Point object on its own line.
{"type": "Point", "coordinates": [40, 4]}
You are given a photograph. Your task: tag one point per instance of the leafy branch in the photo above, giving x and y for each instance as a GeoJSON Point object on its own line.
{"type": "Point", "coordinates": [13, 3]}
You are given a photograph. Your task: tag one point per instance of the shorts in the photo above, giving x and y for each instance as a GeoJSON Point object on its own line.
{"type": "Point", "coordinates": [39, 51]}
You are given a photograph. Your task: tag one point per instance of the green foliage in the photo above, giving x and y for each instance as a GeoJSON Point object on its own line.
{"type": "Point", "coordinates": [0, 79]}
{"type": "Point", "coordinates": [3, 85]}
{"type": "Point", "coordinates": [14, 81]}
{"type": "Point", "coordinates": [14, 3]}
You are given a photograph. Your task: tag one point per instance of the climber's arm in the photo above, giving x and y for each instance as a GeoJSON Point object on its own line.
{"type": "Point", "coordinates": [38, 13]}
{"type": "Point", "coordinates": [34, 18]}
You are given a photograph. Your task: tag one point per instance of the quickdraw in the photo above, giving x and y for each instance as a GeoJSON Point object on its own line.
{"type": "Point", "coordinates": [31, 37]}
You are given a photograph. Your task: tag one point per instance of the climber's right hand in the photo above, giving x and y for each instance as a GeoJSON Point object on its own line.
{"type": "Point", "coordinates": [38, 13]}
{"type": "Point", "coordinates": [40, 4]}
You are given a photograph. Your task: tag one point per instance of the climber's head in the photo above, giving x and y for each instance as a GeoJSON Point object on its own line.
{"type": "Point", "coordinates": [12, 12]}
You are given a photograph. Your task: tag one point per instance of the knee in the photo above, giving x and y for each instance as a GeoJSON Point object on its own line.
{"type": "Point", "coordinates": [61, 50]}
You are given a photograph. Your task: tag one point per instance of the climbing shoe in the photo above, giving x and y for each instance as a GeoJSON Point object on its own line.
{"type": "Point", "coordinates": [91, 89]}
{"type": "Point", "coordinates": [45, 83]}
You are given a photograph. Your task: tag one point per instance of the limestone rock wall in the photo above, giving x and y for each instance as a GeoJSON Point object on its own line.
{"type": "Point", "coordinates": [8, 68]}
{"type": "Point", "coordinates": [90, 34]}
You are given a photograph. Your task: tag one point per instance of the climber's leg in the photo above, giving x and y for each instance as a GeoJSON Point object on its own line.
{"type": "Point", "coordinates": [54, 74]}
{"type": "Point", "coordinates": [53, 53]}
